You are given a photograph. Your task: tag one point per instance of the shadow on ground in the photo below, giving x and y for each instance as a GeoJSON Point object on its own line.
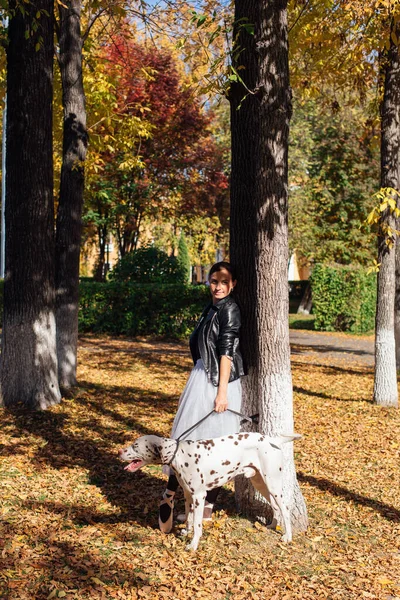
{"type": "Point", "coordinates": [386, 510]}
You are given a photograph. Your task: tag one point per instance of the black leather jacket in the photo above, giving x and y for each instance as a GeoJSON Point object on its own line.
{"type": "Point", "coordinates": [217, 334]}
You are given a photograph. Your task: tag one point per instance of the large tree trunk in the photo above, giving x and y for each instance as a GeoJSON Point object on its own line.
{"type": "Point", "coordinates": [397, 302]}
{"type": "Point", "coordinates": [385, 384]}
{"type": "Point", "coordinates": [259, 231]}
{"type": "Point", "coordinates": [29, 361]}
{"type": "Point", "coordinates": [69, 216]}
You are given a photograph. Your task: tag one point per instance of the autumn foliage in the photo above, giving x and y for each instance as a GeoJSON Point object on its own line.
{"type": "Point", "coordinates": [76, 525]}
{"type": "Point", "coordinates": [173, 168]}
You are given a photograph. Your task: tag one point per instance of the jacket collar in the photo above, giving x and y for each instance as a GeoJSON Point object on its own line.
{"type": "Point", "coordinates": [221, 302]}
{"type": "Point", "coordinates": [211, 310]}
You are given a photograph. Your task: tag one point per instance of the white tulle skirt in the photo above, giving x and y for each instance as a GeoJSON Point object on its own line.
{"type": "Point", "coordinates": [197, 400]}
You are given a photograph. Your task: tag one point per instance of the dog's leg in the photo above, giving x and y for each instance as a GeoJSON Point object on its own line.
{"type": "Point", "coordinates": [260, 485]}
{"type": "Point", "coordinates": [272, 492]}
{"type": "Point", "coordinates": [198, 508]}
{"type": "Point", "coordinates": [278, 506]}
{"type": "Point", "coordinates": [188, 510]}
{"type": "Point", "coordinates": [273, 484]}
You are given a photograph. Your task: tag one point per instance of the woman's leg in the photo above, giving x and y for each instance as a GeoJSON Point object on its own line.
{"type": "Point", "coordinates": [212, 495]}
{"type": "Point", "coordinates": [211, 498]}
{"type": "Point", "coordinates": [172, 484]}
{"type": "Point", "coordinates": [165, 516]}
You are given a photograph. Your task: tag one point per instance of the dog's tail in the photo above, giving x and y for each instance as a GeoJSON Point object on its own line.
{"type": "Point", "coordinates": [284, 439]}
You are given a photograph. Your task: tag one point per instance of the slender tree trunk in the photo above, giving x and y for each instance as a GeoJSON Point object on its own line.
{"type": "Point", "coordinates": [28, 372]}
{"type": "Point", "coordinates": [385, 384]}
{"type": "Point", "coordinates": [259, 231]}
{"type": "Point", "coordinates": [101, 260]}
{"type": "Point", "coordinates": [120, 231]}
{"type": "Point", "coordinates": [69, 215]}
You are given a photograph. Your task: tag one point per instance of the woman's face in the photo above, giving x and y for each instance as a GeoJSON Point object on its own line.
{"type": "Point", "coordinates": [221, 284]}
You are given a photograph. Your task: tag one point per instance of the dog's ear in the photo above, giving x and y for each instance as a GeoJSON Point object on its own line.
{"type": "Point", "coordinates": [157, 448]}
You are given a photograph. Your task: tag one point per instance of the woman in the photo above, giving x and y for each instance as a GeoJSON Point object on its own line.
{"type": "Point", "coordinates": [214, 383]}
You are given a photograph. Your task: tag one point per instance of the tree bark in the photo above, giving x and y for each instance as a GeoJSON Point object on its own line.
{"type": "Point", "coordinates": [69, 215]}
{"type": "Point", "coordinates": [260, 115]}
{"type": "Point", "coordinates": [385, 383]}
{"type": "Point", "coordinates": [28, 371]}
{"type": "Point", "coordinates": [99, 270]}
{"type": "Point", "coordinates": [397, 302]}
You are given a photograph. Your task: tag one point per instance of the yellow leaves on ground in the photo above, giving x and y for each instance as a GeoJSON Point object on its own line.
{"type": "Point", "coordinates": [75, 525]}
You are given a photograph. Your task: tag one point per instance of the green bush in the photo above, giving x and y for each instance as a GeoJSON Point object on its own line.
{"type": "Point", "coordinates": [138, 309]}
{"type": "Point", "coordinates": [141, 309]}
{"type": "Point", "coordinates": [344, 298]}
{"type": "Point", "coordinates": [149, 264]}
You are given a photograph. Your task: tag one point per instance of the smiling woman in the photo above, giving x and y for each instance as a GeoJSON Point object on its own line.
{"type": "Point", "coordinates": [214, 383]}
{"type": "Point", "coordinates": [221, 283]}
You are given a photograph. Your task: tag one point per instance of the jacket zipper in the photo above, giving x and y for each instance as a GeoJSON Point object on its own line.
{"type": "Point", "coordinates": [207, 369]}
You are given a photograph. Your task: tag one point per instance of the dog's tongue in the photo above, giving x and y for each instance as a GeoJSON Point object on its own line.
{"type": "Point", "coordinates": [134, 465]}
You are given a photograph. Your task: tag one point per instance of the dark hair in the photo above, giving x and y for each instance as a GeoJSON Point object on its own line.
{"type": "Point", "coordinates": [223, 265]}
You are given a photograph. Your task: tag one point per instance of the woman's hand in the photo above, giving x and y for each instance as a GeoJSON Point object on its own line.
{"type": "Point", "coordinates": [221, 402]}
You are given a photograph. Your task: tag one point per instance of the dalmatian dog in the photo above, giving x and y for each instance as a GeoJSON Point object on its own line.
{"type": "Point", "coordinates": [206, 464]}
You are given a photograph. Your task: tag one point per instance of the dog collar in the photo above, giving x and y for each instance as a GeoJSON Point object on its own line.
{"type": "Point", "coordinates": [174, 454]}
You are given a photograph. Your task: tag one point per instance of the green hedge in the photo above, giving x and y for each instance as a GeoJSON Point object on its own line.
{"type": "Point", "coordinates": [141, 309]}
{"type": "Point", "coordinates": [170, 310]}
{"type": "Point", "coordinates": [344, 298]}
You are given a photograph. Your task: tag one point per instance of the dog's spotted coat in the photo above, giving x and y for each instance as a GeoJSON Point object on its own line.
{"type": "Point", "coordinates": [206, 464]}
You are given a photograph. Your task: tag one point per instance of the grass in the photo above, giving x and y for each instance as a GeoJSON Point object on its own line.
{"type": "Point", "coordinates": [75, 525]}
{"type": "Point", "coordinates": [301, 321]}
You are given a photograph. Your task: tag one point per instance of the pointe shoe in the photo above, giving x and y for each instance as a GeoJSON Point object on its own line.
{"type": "Point", "coordinates": [166, 513]}
{"type": "Point", "coordinates": [207, 513]}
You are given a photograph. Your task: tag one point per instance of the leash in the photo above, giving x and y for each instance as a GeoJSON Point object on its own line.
{"type": "Point", "coordinates": [252, 419]}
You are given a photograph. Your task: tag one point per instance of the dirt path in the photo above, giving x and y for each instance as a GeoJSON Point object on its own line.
{"type": "Point", "coordinates": [332, 348]}
{"type": "Point", "coordinates": [312, 346]}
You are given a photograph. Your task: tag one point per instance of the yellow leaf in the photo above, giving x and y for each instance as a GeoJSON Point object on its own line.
{"type": "Point", "coordinates": [164, 564]}
{"type": "Point", "coordinates": [96, 581]}
{"type": "Point", "coordinates": [52, 594]}
{"type": "Point", "coordinates": [385, 581]}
